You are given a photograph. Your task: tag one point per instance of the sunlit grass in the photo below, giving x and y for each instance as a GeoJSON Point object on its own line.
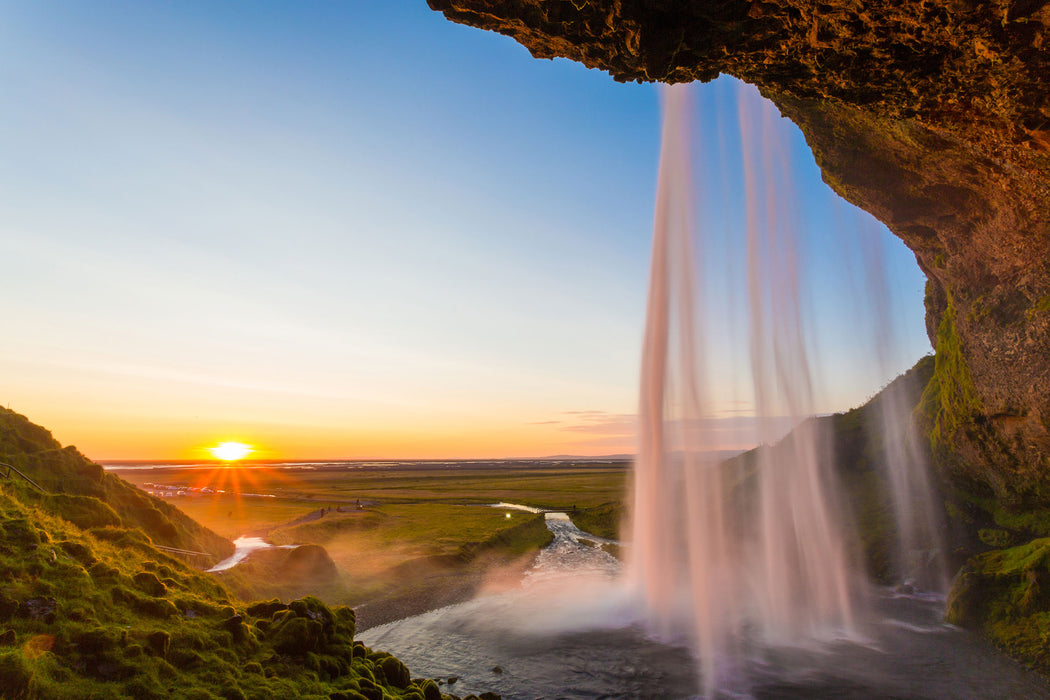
{"type": "Point", "coordinates": [232, 517]}
{"type": "Point", "coordinates": [551, 487]}
{"type": "Point", "coordinates": [392, 530]}
{"type": "Point", "coordinates": [384, 537]}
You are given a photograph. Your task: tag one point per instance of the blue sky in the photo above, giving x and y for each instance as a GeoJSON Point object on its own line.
{"type": "Point", "coordinates": [349, 230]}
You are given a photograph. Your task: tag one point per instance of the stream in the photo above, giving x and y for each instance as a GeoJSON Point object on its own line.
{"type": "Point", "coordinates": [242, 547]}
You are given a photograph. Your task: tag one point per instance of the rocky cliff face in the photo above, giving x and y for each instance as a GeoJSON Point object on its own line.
{"type": "Point", "coordinates": [933, 115]}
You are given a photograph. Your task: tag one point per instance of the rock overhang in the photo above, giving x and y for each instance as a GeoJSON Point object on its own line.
{"type": "Point", "coordinates": [932, 115]}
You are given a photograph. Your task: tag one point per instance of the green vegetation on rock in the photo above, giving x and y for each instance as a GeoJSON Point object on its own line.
{"type": "Point", "coordinates": [950, 400]}
{"type": "Point", "coordinates": [1005, 594]}
{"type": "Point", "coordinates": [1041, 306]}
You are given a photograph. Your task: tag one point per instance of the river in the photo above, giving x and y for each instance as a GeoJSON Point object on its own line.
{"type": "Point", "coordinates": [569, 629]}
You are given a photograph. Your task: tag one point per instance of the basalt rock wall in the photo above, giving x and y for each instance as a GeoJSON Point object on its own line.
{"type": "Point", "coordinates": [932, 115]}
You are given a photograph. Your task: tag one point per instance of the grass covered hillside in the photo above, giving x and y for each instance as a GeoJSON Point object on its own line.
{"type": "Point", "coordinates": [81, 492]}
{"type": "Point", "coordinates": [860, 451]}
{"type": "Point", "coordinates": [90, 608]}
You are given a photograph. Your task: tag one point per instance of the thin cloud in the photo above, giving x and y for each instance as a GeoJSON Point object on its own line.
{"type": "Point", "coordinates": [601, 429]}
{"type": "Point", "coordinates": [603, 423]}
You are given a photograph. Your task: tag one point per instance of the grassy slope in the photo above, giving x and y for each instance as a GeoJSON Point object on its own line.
{"type": "Point", "coordinates": [89, 608]}
{"type": "Point", "coordinates": [80, 491]}
{"type": "Point", "coordinates": [101, 613]}
{"type": "Point", "coordinates": [604, 520]}
{"type": "Point", "coordinates": [857, 447]}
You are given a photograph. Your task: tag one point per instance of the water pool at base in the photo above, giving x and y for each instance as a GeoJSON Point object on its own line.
{"type": "Point", "coordinates": [570, 631]}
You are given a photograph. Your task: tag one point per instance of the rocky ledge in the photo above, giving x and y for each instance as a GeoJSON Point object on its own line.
{"type": "Point", "coordinates": [933, 115]}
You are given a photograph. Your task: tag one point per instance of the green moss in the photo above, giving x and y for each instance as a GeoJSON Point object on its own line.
{"type": "Point", "coordinates": [1041, 306]}
{"type": "Point", "coordinates": [103, 638]}
{"type": "Point", "coordinates": [1005, 594]}
{"type": "Point", "coordinates": [1030, 523]}
{"type": "Point", "coordinates": [975, 509]}
{"type": "Point", "coordinates": [950, 400]}
{"type": "Point", "coordinates": [1031, 556]}
{"type": "Point", "coordinates": [994, 537]}
{"type": "Point", "coordinates": [396, 673]}
{"type": "Point", "coordinates": [16, 673]}
{"type": "Point", "coordinates": [430, 689]}
{"type": "Point", "coordinates": [296, 636]}
{"type": "Point", "coordinates": [147, 582]}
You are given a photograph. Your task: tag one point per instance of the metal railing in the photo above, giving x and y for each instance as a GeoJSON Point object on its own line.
{"type": "Point", "coordinates": [6, 470]}
{"type": "Point", "coordinates": [176, 550]}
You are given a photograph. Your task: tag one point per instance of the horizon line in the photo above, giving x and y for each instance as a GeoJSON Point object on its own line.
{"type": "Point", "coordinates": [617, 456]}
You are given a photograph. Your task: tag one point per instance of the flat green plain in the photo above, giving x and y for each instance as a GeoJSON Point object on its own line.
{"type": "Point", "coordinates": [297, 492]}
{"type": "Point", "coordinates": [380, 523]}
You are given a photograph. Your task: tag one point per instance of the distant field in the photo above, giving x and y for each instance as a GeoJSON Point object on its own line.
{"type": "Point", "coordinates": [300, 491]}
{"type": "Point", "coordinates": [379, 522]}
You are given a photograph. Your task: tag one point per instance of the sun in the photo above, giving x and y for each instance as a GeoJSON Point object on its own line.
{"type": "Point", "coordinates": [230, 451]}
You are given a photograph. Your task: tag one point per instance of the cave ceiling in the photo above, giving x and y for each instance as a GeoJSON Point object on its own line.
{"type": "Point", "coordinates": [932, 115]}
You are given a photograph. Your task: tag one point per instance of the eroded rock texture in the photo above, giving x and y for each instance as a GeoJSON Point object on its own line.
{"type": "Point", "coordinates": [934, 116]}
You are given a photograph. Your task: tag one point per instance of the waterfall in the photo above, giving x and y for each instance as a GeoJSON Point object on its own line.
{"type": "Point", "coordinates": [755, 554]}
{"type": "Point", "coordinates": [684, 557]}
{"type": "Point", "coordinates": [919, 557]}
{"type": "Point", "coordinates": [805, 572]}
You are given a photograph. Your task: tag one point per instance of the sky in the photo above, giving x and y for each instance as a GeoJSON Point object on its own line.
{"type": "Point", "coordinates": [357, 230]}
